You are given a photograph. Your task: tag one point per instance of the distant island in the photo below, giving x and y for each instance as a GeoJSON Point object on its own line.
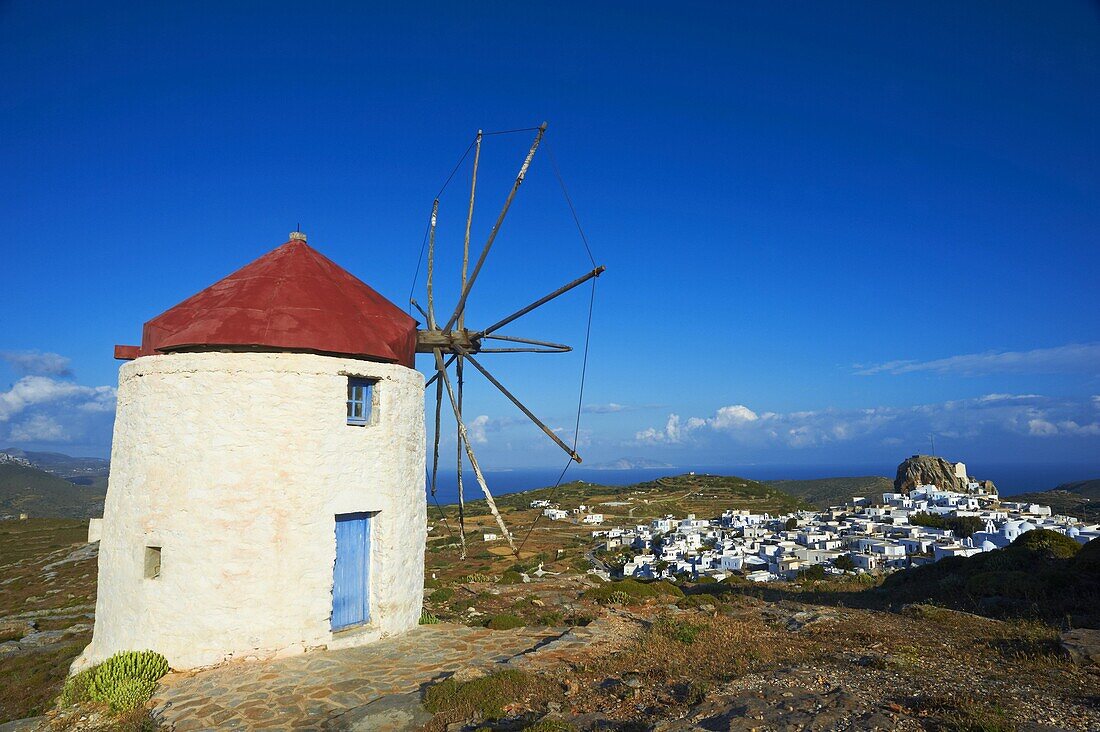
{"type": "Point", "coordinates": [630, 463]}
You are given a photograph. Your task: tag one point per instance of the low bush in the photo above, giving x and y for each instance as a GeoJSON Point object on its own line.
{"type": "Point", "coordinates": [677, 630]}
{"type": "Point", "coordinates": [427, 617]}
{"type": "Point", "coordinates": [504, 621]}
{"type": "Point", "coordinates": [484, 697]}
{"type": "Point", "coordinates": [550, 725]}
{"type": "Point", "coordinates": [511, 577]}
{"type": "Point", "coordinates": [633, 589]}
{"type": "Point", "coordinates": [695, 601]}
{"type": "Point", "coordinates": [441, 595]}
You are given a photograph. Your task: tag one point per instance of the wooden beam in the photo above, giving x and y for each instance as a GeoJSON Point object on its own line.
{"type": "Point", "coordinates": [496, 229]}
{"type": "Point", "coordinates": [470, 452]}
{"type": "Point", "coordinates": [530, 415]}
{"type": "Point", "coordinates": [428, 340]}
{"type": "Point", "coordinates": [541, 301]}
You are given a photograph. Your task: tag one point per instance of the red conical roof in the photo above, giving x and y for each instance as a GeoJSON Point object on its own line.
{"type": "Point", "coordinates": [292, 298]}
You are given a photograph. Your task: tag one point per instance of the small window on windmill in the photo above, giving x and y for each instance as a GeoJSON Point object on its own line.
{"type": "Point", "coordinates": [152, 562]}
{"type": "Point", "coordinates": [360, 401]}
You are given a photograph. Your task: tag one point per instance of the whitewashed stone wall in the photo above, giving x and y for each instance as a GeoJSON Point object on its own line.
{"type": "Point", "coordinates": [235, 464]}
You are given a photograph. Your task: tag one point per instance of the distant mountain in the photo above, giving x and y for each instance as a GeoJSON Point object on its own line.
{"type": "Point", "coordinates": [39, 494]}
{"type": "Point", "coordinates": [1087, 488]}
{"type": "Point", "coordinates": [1080, 498]}
{"type": "Point", "coordinates": [825, 492]}
{"type": "Point", "coordinates": [65, 466]}
{"type": "Point", "coordinates": [630, 463]}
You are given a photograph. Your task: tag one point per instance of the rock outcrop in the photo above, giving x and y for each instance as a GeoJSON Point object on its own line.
{"type": "Point", "coordinates": [931, 470]}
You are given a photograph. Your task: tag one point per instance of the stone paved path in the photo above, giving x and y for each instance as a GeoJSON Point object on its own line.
{"type": "Point", "coordinates": [343, 689]}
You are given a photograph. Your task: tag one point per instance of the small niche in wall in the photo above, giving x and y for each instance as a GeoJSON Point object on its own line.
{"type": "Point", "coordinates": [152, 562]}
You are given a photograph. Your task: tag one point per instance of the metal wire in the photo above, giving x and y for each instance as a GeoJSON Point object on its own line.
{"type": "Point", "coordinates": [577, 424]}
{"type": "Point", "coordinates": [428, 226]}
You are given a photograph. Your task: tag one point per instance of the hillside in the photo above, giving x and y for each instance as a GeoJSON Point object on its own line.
{"type": "Point", "coordinates": [1080, 499]}
{"type": "Point", "coordinates": [825, 492]}
{"type": "Point", "coordinates": [562, 544]}
{"type": "Point", "coordinates": [1041, 574]}
{"type": "Point", "coordinates": [39, 494]}
{"type": "Point", "coordinates": [703, 495]}
{"type": "Point", "coordinates": [62, 465]}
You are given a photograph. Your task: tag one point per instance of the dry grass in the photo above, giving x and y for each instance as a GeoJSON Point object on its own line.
{"type": "Point", "coordinates": [30, 680]}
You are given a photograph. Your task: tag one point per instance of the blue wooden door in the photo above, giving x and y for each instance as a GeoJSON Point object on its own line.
{"type": "Point", "coordinates": [351, 573]}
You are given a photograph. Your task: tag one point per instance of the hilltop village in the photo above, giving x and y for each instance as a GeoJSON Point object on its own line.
{"type": "Point", "coordinates": [923, 524]}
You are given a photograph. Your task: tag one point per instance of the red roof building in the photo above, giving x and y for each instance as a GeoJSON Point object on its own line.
{"type": "Point", "coordinates": [291, 299]}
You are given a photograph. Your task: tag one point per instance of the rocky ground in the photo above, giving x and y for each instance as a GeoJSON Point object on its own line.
{"type": "Point", "coordinates": [559, 656]}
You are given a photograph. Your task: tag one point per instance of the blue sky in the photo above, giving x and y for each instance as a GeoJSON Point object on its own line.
{"type": "Point", "coordinates": [829, 228]}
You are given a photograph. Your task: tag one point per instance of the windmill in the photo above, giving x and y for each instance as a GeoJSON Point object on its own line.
{"type": "Point", "coordinates": [452, 343]}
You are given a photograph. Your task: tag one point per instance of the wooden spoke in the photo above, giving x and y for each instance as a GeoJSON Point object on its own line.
{"type": "Point", "coordinates": [458, 451]}
{"type": "Point", "coordinates": [549, 345]}
{"type": "Point", "coordinates": [415, 304]}
{"type": "Point", "coordinates": [431, 266]}
{"type": "Point", "coordinates": [435, 378]}
{"type": "Point", "coordinates": [496, 229]}
{"type": "Point", "coordinates": [549, 432]}
{"type": "Point", "coordinates": [464, 435]}
{"type": "Point", "coordinates": [540, 302]}
{"type": "Point", "coordinates": [435, 450]}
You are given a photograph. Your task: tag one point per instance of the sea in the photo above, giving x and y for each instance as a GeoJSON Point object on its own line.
{"type": "Point", "coordinates": [1010, 478]}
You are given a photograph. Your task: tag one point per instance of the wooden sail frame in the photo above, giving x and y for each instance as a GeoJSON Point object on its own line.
{"type": "Point", "coordinates": [454, 344]}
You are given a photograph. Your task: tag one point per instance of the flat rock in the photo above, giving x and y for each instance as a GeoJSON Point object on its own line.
{"type": "Point", "coordinates": [1083, 646]}
{"type": "Point", "coordinates": [395, 712]}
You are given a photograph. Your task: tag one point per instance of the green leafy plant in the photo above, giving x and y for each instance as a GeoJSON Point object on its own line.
{"type": "Point", "coordinates": [427, 617]}
{"type": "Point", "coordinates": [126, 680]}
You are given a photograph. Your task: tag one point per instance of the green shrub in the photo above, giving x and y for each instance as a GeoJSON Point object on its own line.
{"type": "Point", "coordinates": [618, 597]}
{"type": "Point", "coordinates": [634, 589]}
{"type": "Point", "coordinates": [816, 572]}
{"type": "Point", "coordinates": [441, 595]}
{"type": "Point", "coordinates": [677, 630]}
{"type": "Point", "coordinates": [431, 584]}
{"type": "Point", "coordinates": [76, 688]}
{"type": "Point", "coordinates": [1002, 584]}
{"type": "Point", "coordinates": [844, 562]}
{"type": "Point", "coordinates": [511, 577]}
{"type": "Point", "coordinates": [485, 697]}
{"type": "Point", "coordinates": [695, 600]}
{"type": "Point", "coordinates": [1088, 558]}
{"type": "Point", "coordinates": [1046, 543]}
{"type": "Point", "coordinates": [126, 680]}
{"type": "Point", "coordinates": [477, 577]}
{"type": "Point", "coordinates": [427, 617]}
{"type": "Point", "coordinates": [550, 725]}
{"type": "Point", "coordinates": [504, 621]}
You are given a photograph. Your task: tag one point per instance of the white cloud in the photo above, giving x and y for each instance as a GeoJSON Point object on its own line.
{"type": "Point", "coordinates": [476, 429]}
{"type": "Point", "coordinates": [609, 408]}
{"type": "Point", "coordinates": [44, 409]}
{"type": "Point", "coordinates": [35, 390]}
{"type": "Point", "coordinates": [37, 362]}
{"type": "Point", "coordinates": [1041, 428]}
{"type": "Point", "coordinates": [1072, 358]}
{"type": "Point", "coordinates": [1024, 414]}
{"type": "Point", "coordinates": [38, 428]}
